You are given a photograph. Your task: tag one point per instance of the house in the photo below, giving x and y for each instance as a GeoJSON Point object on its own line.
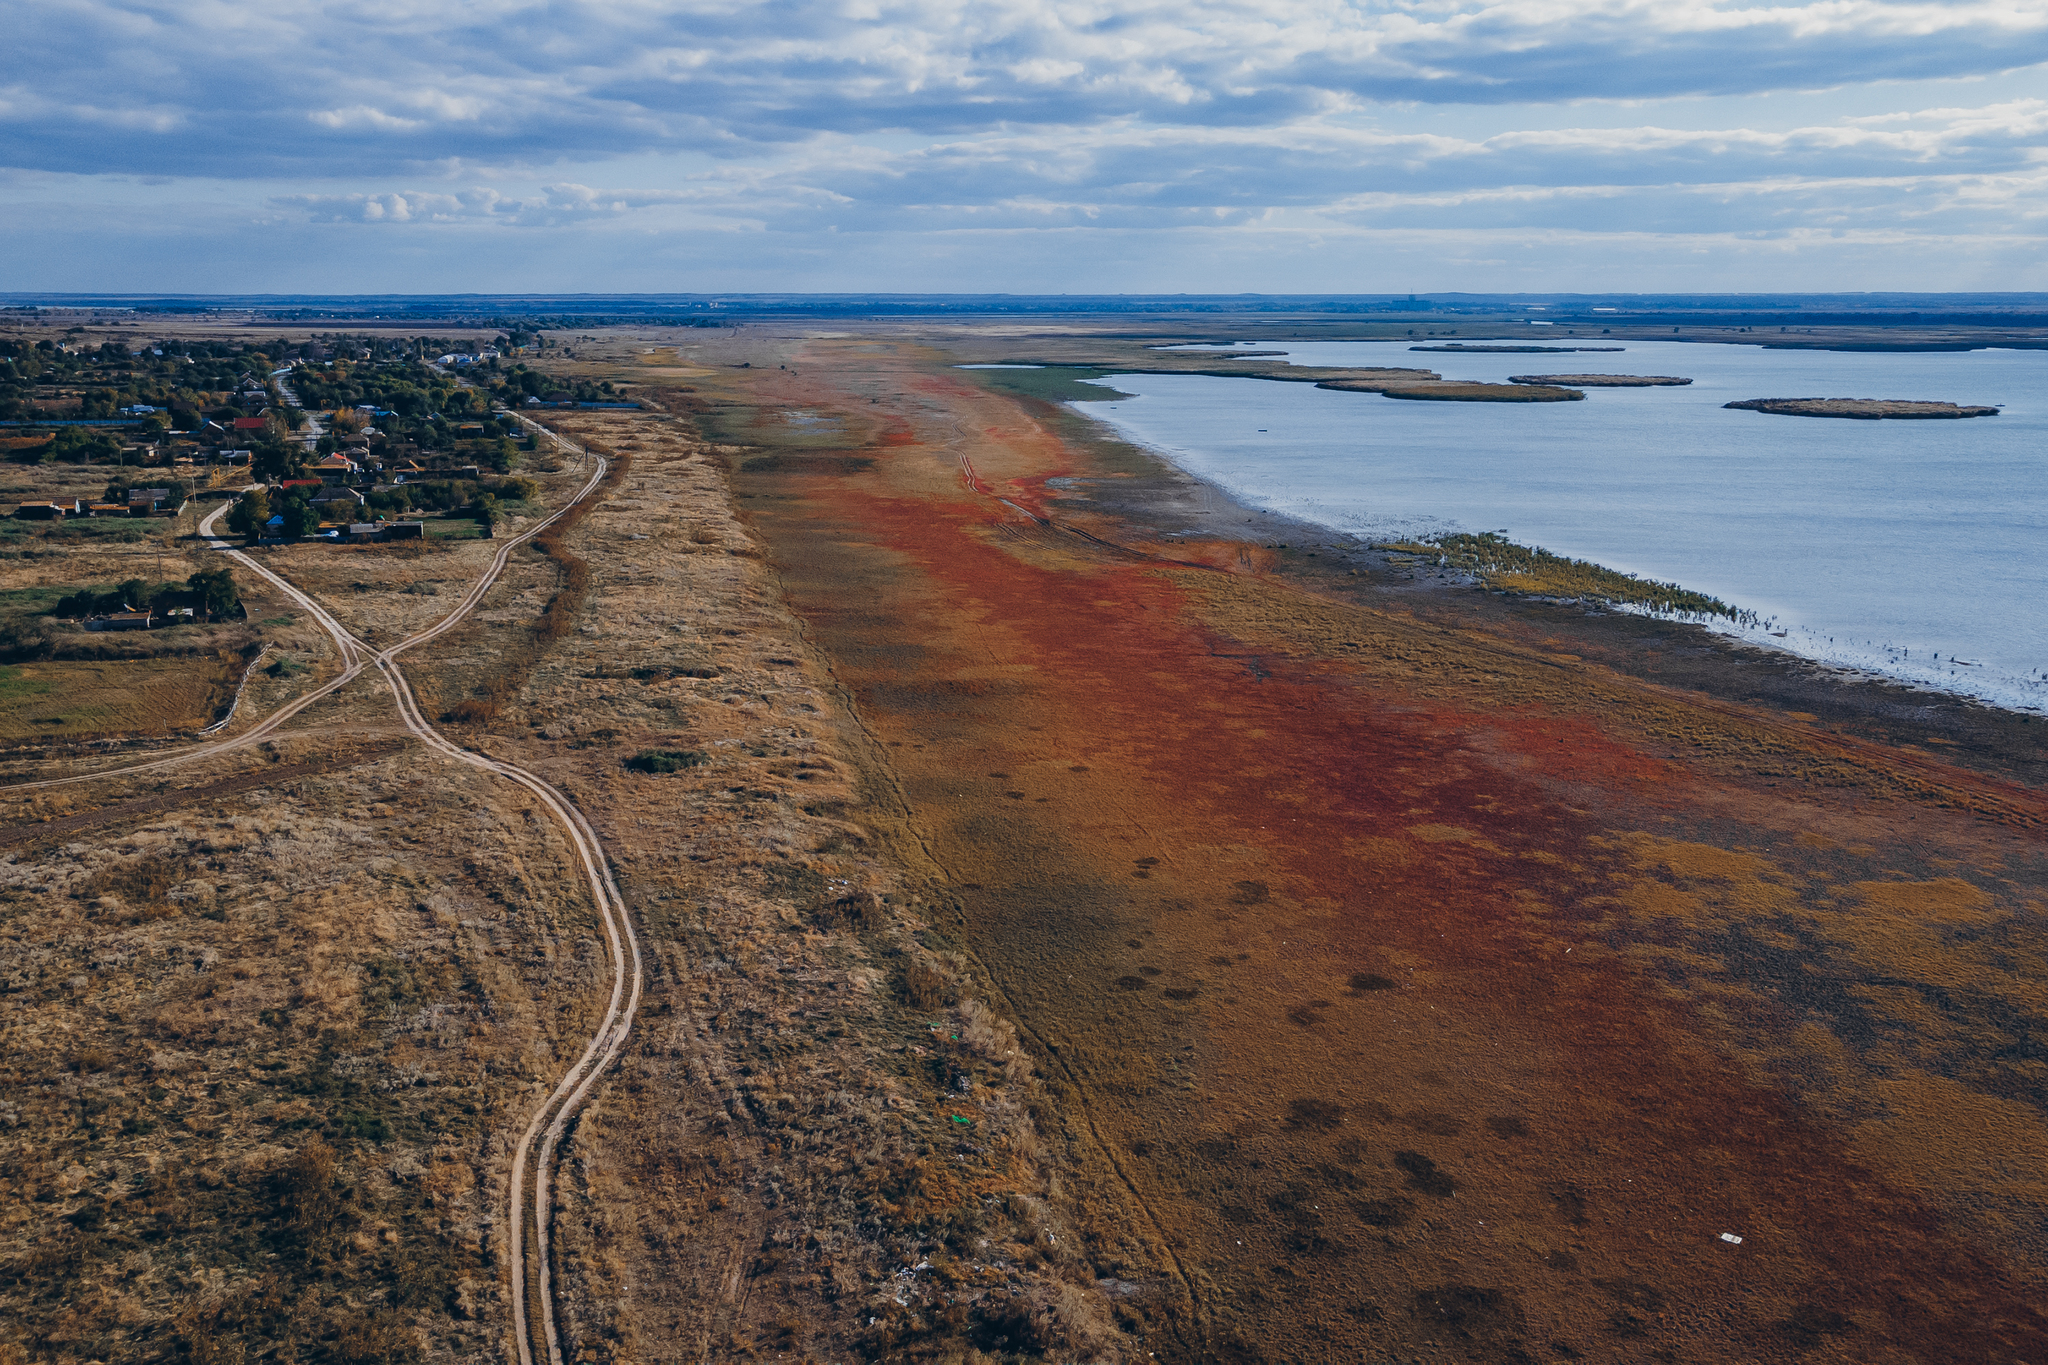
{"type": "Point", "coordinates": [107, 509]}
{"type": "Point", "coordinates": [252, 423]}
{"type": "Point", "coordinates": [122, 620]}
{"type": "Point", "coordinates": [334, 497]}
{"type": "Point", "coordinates": [147, 500]}
{"type": "Point", "coordinates": [42, 511]}
{"type": "Point", "coordinates": [405, 530]}
{"type": "Point", "coordinates": [336, 466]}
{"type": "Point", "coordinates": [237, 456]}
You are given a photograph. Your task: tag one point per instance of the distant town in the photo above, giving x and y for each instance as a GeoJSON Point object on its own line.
{"type": "Point", "coordinates": [348, 438]}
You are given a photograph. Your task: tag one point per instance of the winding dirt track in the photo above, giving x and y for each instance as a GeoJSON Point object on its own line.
{"type": "Point", "coordinates": [552, 1118]}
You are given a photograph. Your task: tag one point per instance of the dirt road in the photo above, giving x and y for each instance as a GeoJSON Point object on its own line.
{"type": "Point", "coordinates": [532, 1158]}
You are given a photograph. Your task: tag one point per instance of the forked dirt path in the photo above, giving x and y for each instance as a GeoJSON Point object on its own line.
{"type": "Point", "coordinates": [570, 1092]}
{"type": "Point", "coordinates": [533, 1157]}
{"type": "Point", "coordinates": [1409, 987]}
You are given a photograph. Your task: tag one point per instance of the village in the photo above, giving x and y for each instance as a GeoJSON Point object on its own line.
{"type": "Point", "coordinates": [335, 440]}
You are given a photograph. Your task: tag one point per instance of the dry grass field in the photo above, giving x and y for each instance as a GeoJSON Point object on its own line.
{"type": "Point", "coordinates": [262, 1054]}
{"type": "Point", "coordinates": [144, 696]}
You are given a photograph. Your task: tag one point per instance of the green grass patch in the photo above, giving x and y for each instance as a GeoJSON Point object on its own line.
{"type": "Point", "coordinates": [1499, 563]}
{"type": "Point", "coordinates": [664, 760]}
{"type": "Point", "coordinates": [121, 530]}
{"type": "Point", "coordinates": [15, 684]}
{"type": "Point", "coordinates": [29, 601]}
{"type": "Point", "coordinates": [1050, 384]}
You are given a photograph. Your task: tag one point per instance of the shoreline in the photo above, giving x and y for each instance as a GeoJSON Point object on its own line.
{"type": "Point", "coordinates": [1172, 509]}
{"type": "Point", "coordinates": [2009, 694]}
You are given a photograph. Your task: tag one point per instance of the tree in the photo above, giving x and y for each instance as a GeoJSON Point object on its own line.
{"type": "Point", "coordinates": [82, 445]}
{"type": "Point", "coordinates": [272, 459]}
{"type": "Point", "coordinates": [299, 518]}
{"type": "Point", "coordinates": [246, 517]}
{"type": "Point", "coordinates": [214, 592]}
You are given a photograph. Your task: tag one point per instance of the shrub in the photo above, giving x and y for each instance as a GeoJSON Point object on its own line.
{"type": "Point", "coordinates": [925, 987]}
{"type": "Point", "coordinates": [664, 760]}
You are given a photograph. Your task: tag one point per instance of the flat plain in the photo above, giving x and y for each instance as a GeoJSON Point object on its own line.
{"type": "Point", "coordinates": [1065, 940]}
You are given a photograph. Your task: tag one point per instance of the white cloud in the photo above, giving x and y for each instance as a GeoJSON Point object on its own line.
{"type": "Point", "coordinates": [366, 88]}
{"type": "Point", "coordinates": [555, 205]}
{"type": "Point", "coordinates": [811, 119]}
{"type": "Point", "coordinates": [1958, 169]}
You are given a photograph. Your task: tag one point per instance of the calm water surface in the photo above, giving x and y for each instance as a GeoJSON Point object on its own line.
{"type": "Point", "coordinates": [1914, 549]}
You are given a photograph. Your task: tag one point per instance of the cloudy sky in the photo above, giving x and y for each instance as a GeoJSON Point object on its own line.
{"type": "Point", "coordinates": [1030, 146]}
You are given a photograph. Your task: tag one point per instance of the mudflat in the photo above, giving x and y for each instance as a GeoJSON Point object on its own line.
{"type": "Point", "coordinates": [1398, 975]}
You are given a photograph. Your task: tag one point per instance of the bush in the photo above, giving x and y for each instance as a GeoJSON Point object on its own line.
{"type": "Point", "coordinates": [925, 987]}
{"type": "Point", "coordinates": [664, 760]}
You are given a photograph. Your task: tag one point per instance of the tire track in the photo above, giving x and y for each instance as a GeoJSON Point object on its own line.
{"type": "Point", "coordinates": [551, 1120]}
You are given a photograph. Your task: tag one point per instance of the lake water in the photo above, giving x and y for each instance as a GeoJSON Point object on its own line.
{"type": "Point", "coordinates": [1915, 549]}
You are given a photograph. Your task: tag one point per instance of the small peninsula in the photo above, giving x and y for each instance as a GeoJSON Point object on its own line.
{"type": "Point", "coordinates": [1602, 381]}
{"type": "Point", "coordinates": [1456, 391]}
{"type": "Point", "coordinates": [1516, 350]}
{"type": "Point", "coordinates": [1863, 409]}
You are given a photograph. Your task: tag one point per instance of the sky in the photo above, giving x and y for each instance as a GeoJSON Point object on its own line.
{"type": "Point", "coordinates": [1023, 146]}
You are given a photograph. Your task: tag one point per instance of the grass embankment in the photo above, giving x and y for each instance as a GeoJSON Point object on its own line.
{"type": "Point", "coordinates": [1499, 563]}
